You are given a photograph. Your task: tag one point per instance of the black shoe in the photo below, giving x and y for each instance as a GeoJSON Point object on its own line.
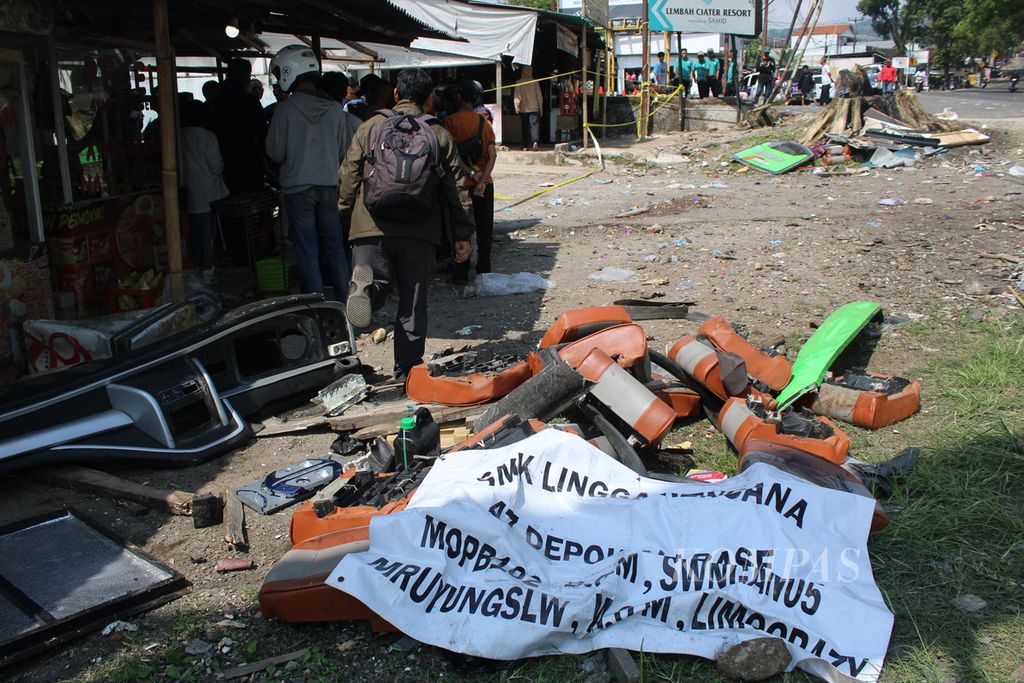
{"type": "Point", "coordinates": [359, 307]}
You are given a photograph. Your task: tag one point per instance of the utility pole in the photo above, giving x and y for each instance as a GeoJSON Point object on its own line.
{"type": "Point", "coordinates": [645, 86]}
{"type": "Point", "coordinates": [764, 27]}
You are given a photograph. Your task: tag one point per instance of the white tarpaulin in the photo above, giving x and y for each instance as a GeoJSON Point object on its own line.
{"type": "Point", "coordinates": [550, 546]}
{"type": "Point", "coordinates": [490, 31]}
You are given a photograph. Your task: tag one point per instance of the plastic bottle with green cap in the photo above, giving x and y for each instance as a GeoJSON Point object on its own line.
{"type": "Point", "coordinates": [418, 435]}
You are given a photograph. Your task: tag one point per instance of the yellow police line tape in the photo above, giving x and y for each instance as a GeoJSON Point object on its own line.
{"type": "Point", "coordinates": [600, 158]}
{"type": "Point", "coordinates": [536, 80]}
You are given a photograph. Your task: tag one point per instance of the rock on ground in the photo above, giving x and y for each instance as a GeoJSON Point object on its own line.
{"type": "Point", "coordinates": [754, 660]}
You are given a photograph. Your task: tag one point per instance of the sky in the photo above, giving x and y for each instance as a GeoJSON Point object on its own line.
{"type": "Point", "coordinates": [780, 12]}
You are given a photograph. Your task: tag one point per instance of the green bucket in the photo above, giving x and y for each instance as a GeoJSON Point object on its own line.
{"type": "Point", "coordinates": [272, 275]}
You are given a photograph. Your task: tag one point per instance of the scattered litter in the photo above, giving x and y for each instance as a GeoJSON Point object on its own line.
{"type": "Point", "coordinates": [602, 181]}
{"type": "Point", "coordinates": [557, 201]}
{"type": "Point", "coordinates": [970, 603]}
{"type": "Point", "coordinates": [874, 224]}
{"type": "Point", "coordinates": [946, 114]}
{"type": "Point", "coordinates": [467, 330]}
{"type": "Point", "coordinates": [724, 255]}
{"type": "Point", "coordinates": [196, 647]}
{"type": "Point", "coordinates": [892, 201]}
{"type": "Point", "coordinates": [119, 627]}
{"type": "Point", "coordinates": [655, 282]}
{"type": "Point", "coordinates": [379, 336]}
{"type": "Point", "coordinates": [633, 211]}
{"type": "Point", "coordinates": [707, 476]}
{"type": "Point", "coordinates": [885, 158]}
{"type": "Point", "coordinates": [1017, 171]}
{"type": "Point", "coordinates": [924, 200]}
{"type": "Point", "coordinates": [682, 242]}
{"type": "Point", "coordinates": [234, 564]}
{"type": "Point", "coordinates": [500, 284]}
{"type": "Point", "coordinates": [342, 393]}
{"type": "Point", "coordinates": [613, 274]}
{"type": "Point", "coordinates": [650, 258]}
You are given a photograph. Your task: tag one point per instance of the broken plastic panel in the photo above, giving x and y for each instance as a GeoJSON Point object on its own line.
{"type": "Point", "coordinates": [289, 485]}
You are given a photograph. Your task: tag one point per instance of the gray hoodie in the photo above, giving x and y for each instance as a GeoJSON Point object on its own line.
{"type": "Point", "coordinates": [309, 135]}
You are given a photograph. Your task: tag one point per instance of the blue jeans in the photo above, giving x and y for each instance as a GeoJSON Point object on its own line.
{"type": "Point", "coordinates": [314, 228]}
{"type": "Point", "coordinates": [200, 229]}
{"type": "Point", "coordinates": [888, 86]}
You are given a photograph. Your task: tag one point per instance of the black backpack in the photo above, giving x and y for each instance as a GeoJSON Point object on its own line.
{"type": "Point", "coordinates": [472, 148]}
{"type": "Point", "coordinates": [401, 170]}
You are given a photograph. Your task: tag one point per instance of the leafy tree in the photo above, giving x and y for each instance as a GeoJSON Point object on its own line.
{"type": "Point", "coordinates": [901, 21]}
{"type": "Point", "coordinates": [993, 24]}
{"type": "Point", "coordinates": [536, 4]}
{"type": "Point", "coordinates": [950, 47]}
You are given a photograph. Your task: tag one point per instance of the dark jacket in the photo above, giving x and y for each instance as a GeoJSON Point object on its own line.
{"type": "Point", "coordinates": [805, 82]}
{"type": "Point", "coordinates": [237, 119]}
{"type": "Point", "coordinates": [454, 202]}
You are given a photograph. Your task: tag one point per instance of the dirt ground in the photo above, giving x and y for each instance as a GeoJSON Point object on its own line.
{"type": "Point", "coordinates": [776, 253]}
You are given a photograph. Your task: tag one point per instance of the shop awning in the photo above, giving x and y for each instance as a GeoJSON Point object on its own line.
{"type": "Point", "coordinates": [490, 31]}
{"type": "Point", "coordinates": [197, 26]}
{"type": "Point", "coordinates": [397, 57]}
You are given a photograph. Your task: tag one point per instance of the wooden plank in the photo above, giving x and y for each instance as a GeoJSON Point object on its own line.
{"type": "Point", "coordinates": [256, 667]}
{"type": "Point", "coordinates": [273, 426]}
{"type": "Point", "coordinates": [100, 483]}
{"type": "Point", "coordinates": [393, 413]}
{"type": "Point", "coordinates": [234, 521]}
{"type": "Point", "coordinates": [842, 116]}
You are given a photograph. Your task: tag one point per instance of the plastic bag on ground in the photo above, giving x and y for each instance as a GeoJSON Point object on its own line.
{"type": "Point", "coordinates": [613, 274]}
{"type": "Point", "coordinates": [500, 284]}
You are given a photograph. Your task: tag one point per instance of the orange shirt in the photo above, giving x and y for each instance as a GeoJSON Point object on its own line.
{"type": "Point", "coordinates": [463, 125]}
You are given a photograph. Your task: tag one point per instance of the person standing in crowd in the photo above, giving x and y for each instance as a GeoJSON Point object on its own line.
{"type": "Point", "coordinates": [805, 83]}
{"type": "Point", "coordinates": [529, 104]}
{"type": "Point", "coordinates": [279, 96]}
{"type": "Point", "coordinates": [389, 251]}
{"type": "Point", "coordinates": [731, 75]}
{"type": "Point", "coordinates": [210, 91]}
{"type": "Point", "coordinates": [714, 73]}
{"type": "Point", "coordinates": [353, 89]}
{"type": "Point", "coordinates": [255, 89]}
{"type": "Point", "coordinates": [702, 69]}
{"type": "Point", "coordinates": [237, 119]}
{"type": "Point", "coordinates": [659, 71]}
{"type": "Point", "coordinates": [204, 184]}
{"type": "Point", "coordinates": [685, 71]}
{"type": "Point", "coordinates": [374, 94]}
{"type": "Point", "coordinates": [765, 76]}
{"type": "Point", "coordinates": [826, 83]}
{"type": "Point", "coordinates": [474, 138]}
{"type": "Point", "coordinates": [887, 77]}
{"type": "Point", "coordinates": [309, 136]}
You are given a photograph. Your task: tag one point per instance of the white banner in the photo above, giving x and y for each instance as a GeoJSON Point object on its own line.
{"type": "Point", "coordinates": [550, 546]}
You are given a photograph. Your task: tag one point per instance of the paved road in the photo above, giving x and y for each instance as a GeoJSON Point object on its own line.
{"type": "Point", "coordinates": [993, 102]}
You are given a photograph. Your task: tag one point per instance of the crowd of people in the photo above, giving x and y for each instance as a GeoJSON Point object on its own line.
{"type": "Point", "coordinates": [378, 180]}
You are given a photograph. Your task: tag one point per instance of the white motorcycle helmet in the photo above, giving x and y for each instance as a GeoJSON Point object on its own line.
{"type": "Point", "coordinates": [291, 63]}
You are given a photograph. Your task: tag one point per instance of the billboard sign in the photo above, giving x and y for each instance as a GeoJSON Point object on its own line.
{"type": "Point", "coordinates": [738, 17]}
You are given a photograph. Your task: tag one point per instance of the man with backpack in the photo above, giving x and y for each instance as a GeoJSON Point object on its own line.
{"type": "Point", "coordinates": [401, 179]}
{"type": "Point", "coordinates": [474, 138]}
{"type": "Point", "coordinates": [309, 136]}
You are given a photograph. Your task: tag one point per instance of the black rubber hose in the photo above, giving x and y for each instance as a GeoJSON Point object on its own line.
{"type": "Point", "coordinates": [711, 403]}
{"type": "Point", "coordinates": [625, 453]}
{"type": "Point", "coordinates": [541, 397]}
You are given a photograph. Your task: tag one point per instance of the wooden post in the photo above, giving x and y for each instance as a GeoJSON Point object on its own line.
{"type": "Point", "coordinates": [645, 74]}
{"type": "Point", "coordinates": [611, 77]}
{"type": "Point", "coordinates": [58, 121]}
{"type": "Point", "coordinates": [498, 118]}
{"type": "Point", "coordinates": [586, 71]}
{"type": "Point", "coordinates": [168, 155]}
